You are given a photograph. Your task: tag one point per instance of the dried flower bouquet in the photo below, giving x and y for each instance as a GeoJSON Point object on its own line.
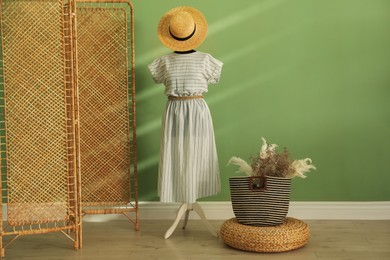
{"type": "Point", "coordinates": [271, 163]}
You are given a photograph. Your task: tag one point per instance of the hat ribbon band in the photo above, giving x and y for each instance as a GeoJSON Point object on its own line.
{"type": "Point", "coordinates": [185, 38]}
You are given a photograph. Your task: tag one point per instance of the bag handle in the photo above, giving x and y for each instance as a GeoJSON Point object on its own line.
{"type": "Point", "coordinates": [257, 183]}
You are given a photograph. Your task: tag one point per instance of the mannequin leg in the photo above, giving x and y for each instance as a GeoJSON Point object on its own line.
{"type": "Point", "coordinates": [186, 216]}
{"type": "Point", "coordinates": [183, 208]}
{"type": "Point", "coordinates": [196, 207]}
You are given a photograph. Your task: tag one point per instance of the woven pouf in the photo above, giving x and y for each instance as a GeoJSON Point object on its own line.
{"type": "Point", "coordinates": [292, 234]}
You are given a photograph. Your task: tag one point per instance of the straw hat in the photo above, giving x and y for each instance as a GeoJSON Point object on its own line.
{"type": "Point", "coordinates": [182, 28]}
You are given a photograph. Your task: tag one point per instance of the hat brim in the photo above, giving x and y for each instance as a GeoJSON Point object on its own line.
{"type": "Point", "coordinates": [189, 44]}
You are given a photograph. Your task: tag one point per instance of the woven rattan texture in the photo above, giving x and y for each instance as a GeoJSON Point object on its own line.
{"type": "Point", "coordinates": [38, 180]}
{"type": "Point", "coordinates": [103, 78]}
{"type": "Point", "coordinates": [260, 207]}
{"type": "Point", "coordinates": [292, 234]}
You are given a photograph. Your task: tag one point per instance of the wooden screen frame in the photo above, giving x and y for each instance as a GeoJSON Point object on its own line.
{"type": "Point", "coordinates": [37, 73]}
{"type": "Point", "coordinates": [100, 178]}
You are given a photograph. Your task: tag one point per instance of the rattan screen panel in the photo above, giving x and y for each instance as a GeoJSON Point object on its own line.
{"type": "Point", "coordinates": [107, 106]}
{"type": "Point", "coordinates": [39, 179]}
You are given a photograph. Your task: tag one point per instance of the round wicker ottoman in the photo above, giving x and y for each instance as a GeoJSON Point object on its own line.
{"type": "Point", "coordinates": [292, 234]}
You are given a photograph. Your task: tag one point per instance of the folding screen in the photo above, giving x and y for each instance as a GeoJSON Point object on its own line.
{"type": "Point", "coordinates": [40, 172]}
{"type": "Point", "coordinates": [105, 47]}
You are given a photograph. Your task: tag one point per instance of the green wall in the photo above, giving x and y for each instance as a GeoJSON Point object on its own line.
{"type": "Point", "coordinates": [310, 75]}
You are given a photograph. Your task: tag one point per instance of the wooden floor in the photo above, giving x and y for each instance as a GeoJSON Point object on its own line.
{"type": "Point", "coordinates": [116, 239]}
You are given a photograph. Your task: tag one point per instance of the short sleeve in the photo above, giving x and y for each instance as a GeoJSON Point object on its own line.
{"type": "Point", "coordinates": [156, 69]}
{"type": "Point", "coordinates": [213, 69]}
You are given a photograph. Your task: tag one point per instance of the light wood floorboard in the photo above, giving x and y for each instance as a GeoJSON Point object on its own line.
{"type": "Point", "coordinates": [116, 239]}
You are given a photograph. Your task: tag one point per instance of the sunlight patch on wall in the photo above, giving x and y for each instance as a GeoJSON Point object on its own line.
{"type": "Point", "coordinates": [148, 127]}
{"type": "Point", "coordinates": [250, 48]}
{"type": "Point", "coordinates": [240, 16]}
{"type": "Point", "coordinates": [149, 92]}
{"type": "Point", "coordinates": [253, 82]}
{"type": "Point", "coordinates": [151, 55]}
{"type": "Point", "coordinates": [150, 161]}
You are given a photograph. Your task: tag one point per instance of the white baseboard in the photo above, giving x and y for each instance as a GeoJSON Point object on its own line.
{"type": "Point", "coordinates": [374, 210]}
{"type": "Point", "coordinates": [301, 210]}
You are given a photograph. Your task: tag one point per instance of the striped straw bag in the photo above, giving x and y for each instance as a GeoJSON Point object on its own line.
{"type": "Point", "coordinates": [260, 201]}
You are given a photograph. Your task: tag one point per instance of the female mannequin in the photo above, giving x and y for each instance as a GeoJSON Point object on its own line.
{"type": "Point", "coordinates": [188, 167]}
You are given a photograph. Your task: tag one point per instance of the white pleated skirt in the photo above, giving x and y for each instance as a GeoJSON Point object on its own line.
{"type": "Point", "coordinates": [188, 167]}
